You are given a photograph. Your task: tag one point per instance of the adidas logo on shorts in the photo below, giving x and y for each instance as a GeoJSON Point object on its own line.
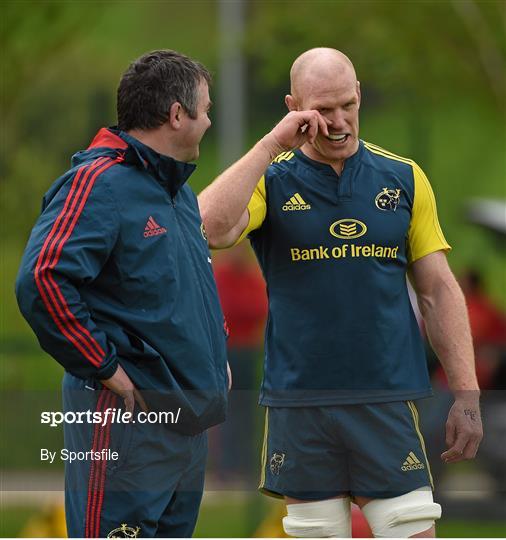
{"type": "Point", "coordinates": [412, 463]}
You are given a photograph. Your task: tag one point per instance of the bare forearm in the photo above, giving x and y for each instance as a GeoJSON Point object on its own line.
{"type": "Point", "coordinates": [447, 325]}
{"type": "Point", "coordinates": [223, 204]}
{"type": "Point", "coordinates": [444, 310]}
{"type": "Point", "coordinates": [224, 201]}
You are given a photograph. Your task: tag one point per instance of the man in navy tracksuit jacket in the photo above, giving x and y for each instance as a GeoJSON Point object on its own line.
{"type": "Point", "coordinates": [117, 284]}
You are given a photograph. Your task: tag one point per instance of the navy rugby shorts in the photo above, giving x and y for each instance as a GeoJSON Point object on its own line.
{"type": "Point", "coordinates": [153, 489]}
{"type": "Point", "coordinates": [368, 450]}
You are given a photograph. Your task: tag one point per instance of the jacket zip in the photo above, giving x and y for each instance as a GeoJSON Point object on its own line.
{"type": "Point", "coordinates": [204, 301]}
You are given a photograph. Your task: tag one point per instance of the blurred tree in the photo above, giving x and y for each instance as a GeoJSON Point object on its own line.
{"type": "Point", "coordinates": [425, 51]}
{"type": "Point", "coordinates": [432, 74]}
{"type": "Point", "coordinates": [61, 62]}
{"type": "Point", "coordinates": [32, 35]}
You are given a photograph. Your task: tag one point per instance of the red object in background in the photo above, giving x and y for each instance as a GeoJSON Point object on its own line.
{"type": "Point", "coordinates": [488, 324]}
{"type": "Point", "coordinates": [241, 288]}
{"type": "Point", "coordinates": [488, 329]}
{"type": "Point", "coordinates": [359, 526]}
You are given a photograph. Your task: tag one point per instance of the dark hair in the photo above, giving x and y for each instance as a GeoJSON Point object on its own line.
{"type": "Point", "coordinates": [153, 83]}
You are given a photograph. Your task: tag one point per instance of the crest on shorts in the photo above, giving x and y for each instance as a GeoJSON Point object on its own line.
{"type": "Point", "coordinates": [277, 461]}
{"type": "Point", "coordinates": [388, 199]}
{"type": "Point", "coordinates": [124, 531]}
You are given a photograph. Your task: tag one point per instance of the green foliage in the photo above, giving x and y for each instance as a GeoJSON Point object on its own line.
{"type": "Point", "coordinates": [33, 35]}
{"type": "Point", "coordinates": [432, 77]}
{"type": "Point", "coordinates": [424, 51]}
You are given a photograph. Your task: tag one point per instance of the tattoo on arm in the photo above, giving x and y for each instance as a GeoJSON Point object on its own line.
{"type": "Point", "coordinates": [471, 413]}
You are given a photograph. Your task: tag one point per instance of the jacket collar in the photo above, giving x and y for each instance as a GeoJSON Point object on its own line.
{"type": "Point", "coordinates": [169, 172]}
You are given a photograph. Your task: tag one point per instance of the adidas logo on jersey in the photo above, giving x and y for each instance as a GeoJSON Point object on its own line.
{"type": "Point", "coordinates": [412, 463]}
{"type": "Point", "coordinates": [296, 203]}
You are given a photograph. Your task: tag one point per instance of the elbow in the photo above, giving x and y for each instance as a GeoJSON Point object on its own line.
{"type": "Point", "coordinates": [217, 227]}
{"type": "Point", "coordinates": [218, 241]}
{"type": "Point", "coordinates": [26, 293]}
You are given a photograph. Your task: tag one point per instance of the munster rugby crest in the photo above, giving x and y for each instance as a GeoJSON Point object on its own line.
{"type": "Point", "coordinates": [388, 199]}
{"type": "Point", "coordinates": [203, 232]}
{"type": "Point", "coordinates": [125, 532]}
{"type": "Point", "coordinates": [277, 461]}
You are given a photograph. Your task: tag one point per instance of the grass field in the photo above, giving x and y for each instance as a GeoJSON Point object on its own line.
{"type": "Point", "coordinates": [230, 516]}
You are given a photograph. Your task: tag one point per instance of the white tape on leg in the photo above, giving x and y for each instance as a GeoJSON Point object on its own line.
{"type": "Point", "coordinates": [404, 516]}
{"type": "Point", "coordinates": [321, 519]}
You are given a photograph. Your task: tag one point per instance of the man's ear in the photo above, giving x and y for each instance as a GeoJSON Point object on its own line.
{"type": "Point", "coordinates": [290, 103]}
{"type": "Point", "coordinates": [175, 115]}
{"type": "Point", "coordinates": [358, 93]}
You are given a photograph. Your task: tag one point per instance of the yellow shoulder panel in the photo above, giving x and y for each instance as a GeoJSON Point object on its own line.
{"type": "Point", "coordinates": [257, 209]}
{"type": "Point", "coordinates": [385, 153]}
{"type": "Point", "coordinates": [284, 156]}
{"type": "Point", "coordinates": [425, 235]}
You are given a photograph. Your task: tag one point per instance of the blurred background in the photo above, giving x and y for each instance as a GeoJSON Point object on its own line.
{"type": "Point", "coordinates": [433, 89]}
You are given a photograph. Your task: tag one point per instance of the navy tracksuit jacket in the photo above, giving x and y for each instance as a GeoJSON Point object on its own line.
{"type": "Point", "coordinates": [117, 270]}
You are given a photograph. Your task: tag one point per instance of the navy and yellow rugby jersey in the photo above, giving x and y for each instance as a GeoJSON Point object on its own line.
{"type": "Point", "coordinates": [334, 252]}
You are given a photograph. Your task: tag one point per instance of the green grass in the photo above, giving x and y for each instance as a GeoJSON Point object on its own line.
{"type": "Point", "coordinates": [237, 517]}
{"type": "Point", "coordinates": [231, 517]}
{"type": "Point", "coordinates": [471, 529]}
{"type": "Point", "coordinates": [12, 520]}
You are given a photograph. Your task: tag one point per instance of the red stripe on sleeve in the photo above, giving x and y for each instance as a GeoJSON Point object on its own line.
{"type": "Point", "coordinates": [41, 278]}
{"type": "Point", "coordinates": [54, 262]}
{"type": "Point", "coordinates": [51, 294]}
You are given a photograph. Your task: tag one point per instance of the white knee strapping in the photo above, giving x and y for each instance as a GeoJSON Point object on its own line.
{"type": "Point", "coordinates": [321, 519]}
{"type": "Point", "coordinates": [404, 516]}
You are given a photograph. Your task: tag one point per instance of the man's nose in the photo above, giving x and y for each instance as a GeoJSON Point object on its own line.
{"type": "Point", "coordinates": [337, 118]}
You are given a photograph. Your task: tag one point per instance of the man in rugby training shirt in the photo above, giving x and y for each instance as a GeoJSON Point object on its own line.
{"type": "Point", "coordinates": [337, 224]}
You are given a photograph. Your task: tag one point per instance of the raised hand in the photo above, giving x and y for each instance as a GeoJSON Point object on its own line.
{"type": "Point", "coordinates": [295, 129]}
